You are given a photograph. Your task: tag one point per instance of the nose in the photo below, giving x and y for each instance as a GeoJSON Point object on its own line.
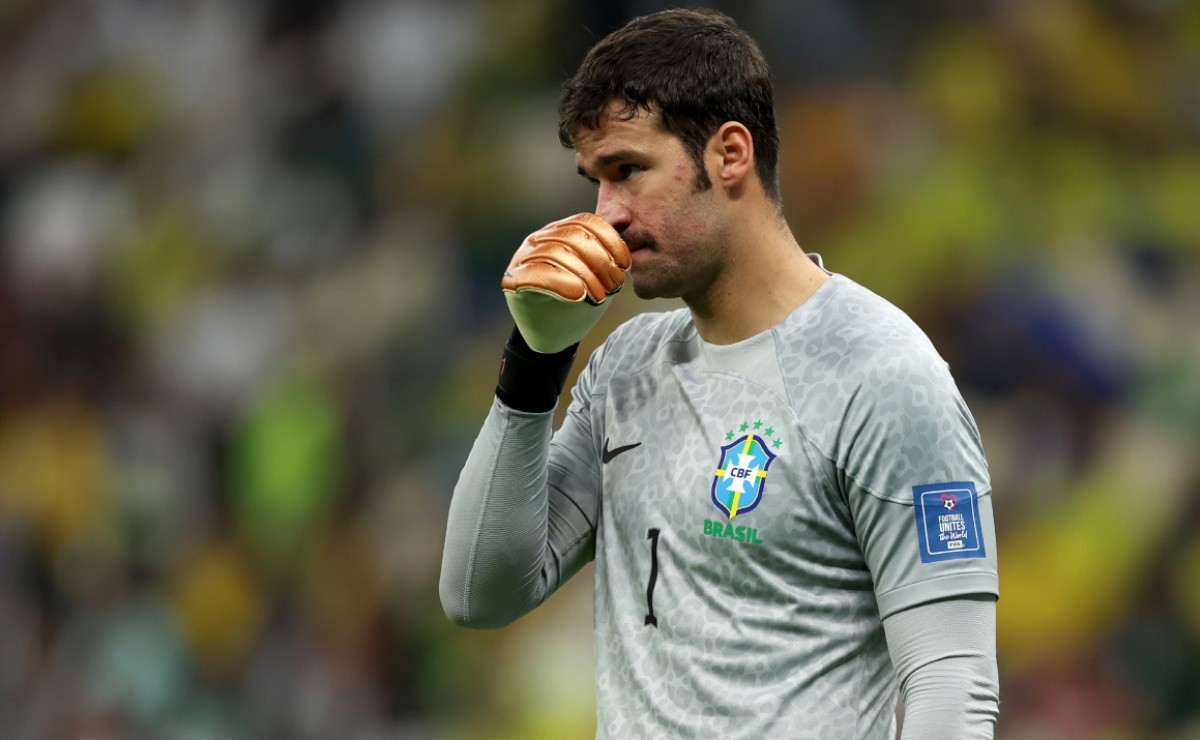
{"type": "Point", "coordinates": [612, 207]}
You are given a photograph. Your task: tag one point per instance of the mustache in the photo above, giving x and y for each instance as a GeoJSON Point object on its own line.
{"type": "Point", "coordinates": [638, 240]}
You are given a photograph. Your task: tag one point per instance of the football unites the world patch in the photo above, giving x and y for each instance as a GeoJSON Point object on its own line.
{"type": "Point", "coordinates": [947, 521]}
{"type": "Point", "coordinates": [741, 475]}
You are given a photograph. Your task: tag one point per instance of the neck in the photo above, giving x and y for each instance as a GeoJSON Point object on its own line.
{"type": "Point", "coordinates": [766, 278]}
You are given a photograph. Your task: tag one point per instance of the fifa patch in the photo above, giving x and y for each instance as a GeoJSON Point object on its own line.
{"type": "Point", "coordinates": [741, 476]}
{"type": "Point", "coordinates": [948, 521]}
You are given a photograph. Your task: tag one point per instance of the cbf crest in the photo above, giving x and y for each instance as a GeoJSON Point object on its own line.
{"type": "Point", "coordinates": [741, 475]}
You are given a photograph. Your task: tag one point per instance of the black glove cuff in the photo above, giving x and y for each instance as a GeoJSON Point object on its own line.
{"type": "Point", "coordinates": [531, 381]}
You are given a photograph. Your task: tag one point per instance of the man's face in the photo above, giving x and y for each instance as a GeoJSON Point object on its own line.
{"type": "Point", "coordinates": [649, 192]}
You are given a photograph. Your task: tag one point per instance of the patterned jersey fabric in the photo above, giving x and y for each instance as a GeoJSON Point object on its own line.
{"type": "Point", "coordinates": [757, 509]}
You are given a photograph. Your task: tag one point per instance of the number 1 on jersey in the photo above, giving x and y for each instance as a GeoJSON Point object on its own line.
{"type": "Point", "coordinates": [652, 535]}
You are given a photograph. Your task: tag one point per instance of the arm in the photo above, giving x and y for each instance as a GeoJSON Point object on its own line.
{"type": "Point", "coordinates": [920, 494]}
{"type": "Point", "coordinates": [522, 519]}
{"type": "Point", "coordinates": [945, 657]}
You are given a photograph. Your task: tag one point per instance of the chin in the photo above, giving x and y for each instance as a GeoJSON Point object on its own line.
{"type": "Point", "coordinates": [650, 292]}
{"type": "Point", "coordinates": [644, 291]}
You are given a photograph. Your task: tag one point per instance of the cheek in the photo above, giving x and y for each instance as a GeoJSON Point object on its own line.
{"type": "Point", "coordinates": [693, 218]}
{"type": "Point", "coordinates": [677, 215]}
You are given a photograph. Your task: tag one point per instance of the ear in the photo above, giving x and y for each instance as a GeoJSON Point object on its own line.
{"type": "Point", "coordinates": [731, 155]}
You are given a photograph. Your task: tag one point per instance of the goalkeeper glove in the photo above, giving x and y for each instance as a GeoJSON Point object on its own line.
{"type": "Point", "coordinates": [557, 288]}
{"type": "Point", "coordinates": [558, 283]}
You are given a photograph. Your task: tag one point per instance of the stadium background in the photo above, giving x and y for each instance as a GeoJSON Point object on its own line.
{"type": "Point", "coordinates": [249, 324]}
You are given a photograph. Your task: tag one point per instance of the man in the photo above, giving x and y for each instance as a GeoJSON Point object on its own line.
{"type": "Point", "coordinates": [784, 493]}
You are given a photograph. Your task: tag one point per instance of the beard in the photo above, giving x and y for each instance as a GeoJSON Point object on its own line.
{"type": "Point", "coordinates": [691, 258]}
{"type": "Point", "coordinates": [657, 275]}
{"type": "Point", "coordinates": [646, 281]}
{"type": "Point", "coordinates": [684, 269]}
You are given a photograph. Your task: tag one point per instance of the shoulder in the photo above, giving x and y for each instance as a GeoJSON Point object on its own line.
{"type": "Point", "coordinates": [853, 341]}
{"type": "Point", "coordinates": [634, 347]}
{"type": "Point", "coordinates": [654, 327]}
{"type": "Point", "coordinates": [872, 388]}
{"type": "Point", "coordinates": [643, 341]}
{"type": "Point", "coordinates": [854, 324]}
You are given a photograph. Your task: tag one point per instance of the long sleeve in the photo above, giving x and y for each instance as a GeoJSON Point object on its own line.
{"type": "Point", "coordinates": [522, 519]}
{"type": "Point", "coordinates": [945, 656]}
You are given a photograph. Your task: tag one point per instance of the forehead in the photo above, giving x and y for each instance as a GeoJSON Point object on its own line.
{"type": "Point", "coordinates": [619, 132]}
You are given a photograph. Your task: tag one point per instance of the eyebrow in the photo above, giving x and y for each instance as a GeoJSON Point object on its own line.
{"type": "Point", "coordinates": [607, 159]}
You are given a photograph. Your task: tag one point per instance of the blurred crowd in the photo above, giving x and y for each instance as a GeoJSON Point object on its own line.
{"type": "Point", "coordinates": [250, 320]}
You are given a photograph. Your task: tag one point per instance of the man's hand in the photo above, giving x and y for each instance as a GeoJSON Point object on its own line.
{"type": "Point", "coordinates": [558, 283]}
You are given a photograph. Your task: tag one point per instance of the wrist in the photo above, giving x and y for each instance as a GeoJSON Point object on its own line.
{"type": "Point", "coordinates": [531, 381]}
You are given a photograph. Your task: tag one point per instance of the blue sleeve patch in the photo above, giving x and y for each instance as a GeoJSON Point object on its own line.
{"type": "Point", "coordinates": [947, 521]}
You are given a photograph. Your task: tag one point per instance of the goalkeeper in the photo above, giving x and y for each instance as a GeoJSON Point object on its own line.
{"type": "Point", "coordinates": [784, 494]}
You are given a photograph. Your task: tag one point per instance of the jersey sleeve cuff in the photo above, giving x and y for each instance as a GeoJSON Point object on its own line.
{"type": "Point", "coordinates": [948, 586]}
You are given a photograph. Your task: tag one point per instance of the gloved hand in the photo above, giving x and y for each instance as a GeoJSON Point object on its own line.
{"type": "Point", "coordinates": [558, 283]}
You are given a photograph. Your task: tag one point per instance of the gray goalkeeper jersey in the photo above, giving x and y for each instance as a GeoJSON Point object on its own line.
{"type": "Point", "coordinates": [755, 510]}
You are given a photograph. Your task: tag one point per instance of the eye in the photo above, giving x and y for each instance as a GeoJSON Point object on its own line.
{"type": "Point", "coordinates": [629, 170]}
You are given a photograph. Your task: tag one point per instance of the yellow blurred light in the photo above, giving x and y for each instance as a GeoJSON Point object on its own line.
{"type": "Point", "coordinates": [220, 608]}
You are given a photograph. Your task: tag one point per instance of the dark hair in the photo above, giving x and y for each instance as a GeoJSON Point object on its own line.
{"type": "Point", "coordinates": [695, 68]}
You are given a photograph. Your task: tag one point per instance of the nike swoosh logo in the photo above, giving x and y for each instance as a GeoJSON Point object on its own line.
{"type": "Point", "coordinates": [606, 455]}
